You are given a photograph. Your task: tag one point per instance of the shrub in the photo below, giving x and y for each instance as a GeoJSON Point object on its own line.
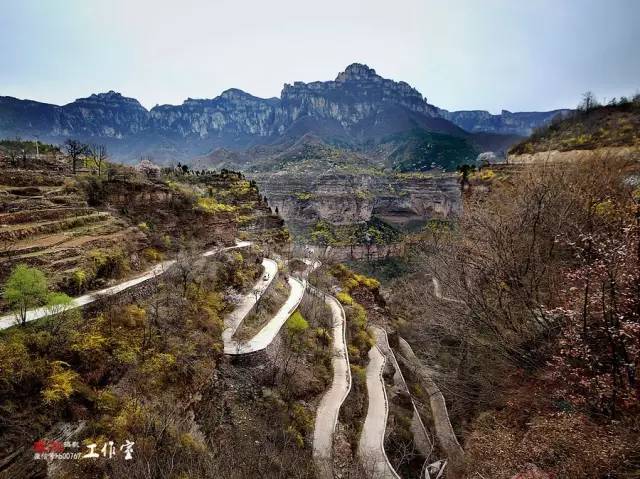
{"type": "Point", "coordinates": [324, 336]}
{"type": "Point", "coordinates": [112, 264]}
{"type": "Point", "coordinates": [134, 316]}
{"type": "Point", "coordinates": [25, 288]}
{"type": "Point", "coordinates": [296, 324]}
{"type": "Point", "coordinates": [353, 351]}
{"type": "Point", "coordinates": [158, 368]}
{"type": "Point", "coordinates": [486, 174]}
{"type": "Point", "coordinates": [58, 303]}
{"type": "Point", "coordinates": [367, 282]}
{"type": "Point", "coordinates": [359, 374]}
{"type": "Point", "coordinates": [344, 298]}
{"type": "Point", "coordinates": [304, 196]}
{"type": "Point", "coordinates": [211, 206]}
{"type": "Point", "coordinates": [152, 255]}
{"type": "Point", "coordinates": [59, 384]}
{"type": "Point", "coordinates": [79, 281]}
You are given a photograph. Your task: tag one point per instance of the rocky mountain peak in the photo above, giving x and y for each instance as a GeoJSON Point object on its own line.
{"type": "Point", "coordinates": [110, 99]}
{"type": "Point", "coordinates": [357, 72]}
{"type": "Point", "coordinates": [110, 95]}
{"type": "Point", "coordinates": [235, 94]}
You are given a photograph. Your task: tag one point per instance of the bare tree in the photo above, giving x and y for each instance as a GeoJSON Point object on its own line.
{"type": "Point", "coordinates": [100, 156]}
{"type": "Point", "coordinates": [13, 156]}
{"type": "Point", "coordinates": [74, 150]}
{"type": "Point", "coordinates": [589, 101]}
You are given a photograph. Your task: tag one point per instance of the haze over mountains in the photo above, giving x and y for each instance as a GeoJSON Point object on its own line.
{"type": "Point", "coordinates": [359, 111]}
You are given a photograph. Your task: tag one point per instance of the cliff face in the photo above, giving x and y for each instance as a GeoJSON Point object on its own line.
{"type": "Point", "coordinates": [341, 199]}
{"type": "Point", "coordinates": [108, 115]}
{"type": "Point", "coordinates": [358, 108]}
{"type": "Point", "coordinates": [355, 95]}
{"type": "Point", "coordinates": [234, 112]}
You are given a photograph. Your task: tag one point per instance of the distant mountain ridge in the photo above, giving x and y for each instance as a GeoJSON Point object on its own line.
{"type": "Point", "coordinates": [520, 123]}
{"type": "Point", "coordinates": [359, 110]}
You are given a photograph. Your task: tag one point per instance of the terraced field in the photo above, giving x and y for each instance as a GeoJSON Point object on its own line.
{"type": "Point", "coordinates": [49, 225]}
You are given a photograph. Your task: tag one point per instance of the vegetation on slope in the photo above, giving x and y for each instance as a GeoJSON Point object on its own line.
{"type": "Point", "coordinates": [109, 221]}
{"type": "Point", "coordinates": [536, 341]}
{"type": "Point", "coordinates": [147, 365]}
{"type": "Point", "coordinates": [591, 126]}
{"type": "Point", "coordinates": [421, 150]}
{"type": "Point", "coordinates": [368, 234]}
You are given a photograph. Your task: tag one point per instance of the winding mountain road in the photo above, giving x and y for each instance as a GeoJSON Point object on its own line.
{"type": "Point", "coordinates": [329, 407]}
{"type": "Point", "coordinates": [420, 435]}
{"type": "Point", "coordinates": [9, 320]}
{"type": "Point", "coordinates": [444, 430]}
{"type": "Point", "coordinates": [371, 446]}
{"type": "Point", "coordinates": [235, 318]}
{"type": "Point", "coordinates": [268, 333]}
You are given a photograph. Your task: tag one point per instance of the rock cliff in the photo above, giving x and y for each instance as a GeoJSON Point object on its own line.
{"type": "Point", "coordinates": [359, 109]}
{"type": "Point", "coordinates": [401, 200]}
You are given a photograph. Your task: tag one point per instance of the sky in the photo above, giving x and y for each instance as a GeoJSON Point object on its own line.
{"type": "Point", "coordinates": [520, 55]}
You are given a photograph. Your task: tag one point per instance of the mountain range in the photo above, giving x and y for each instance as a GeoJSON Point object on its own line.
{"type": "Point", "coordinates": [359, 111]}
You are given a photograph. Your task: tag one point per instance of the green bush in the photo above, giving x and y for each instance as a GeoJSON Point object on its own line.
{"type": "Point", "coordinates": [25, 288]}
{"type": "Point", "coordinates": [296, 324]}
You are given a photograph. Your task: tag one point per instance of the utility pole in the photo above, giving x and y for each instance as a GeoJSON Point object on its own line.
{"type": "Point", "coordinates": [37, 150]}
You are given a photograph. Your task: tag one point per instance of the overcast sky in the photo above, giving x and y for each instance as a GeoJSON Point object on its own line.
{"type": "Point", "coordinates": [461, 54]}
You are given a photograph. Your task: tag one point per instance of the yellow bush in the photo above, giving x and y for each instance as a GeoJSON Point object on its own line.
{"type": "Point", "coordinates": [130, 417]}
{"type": "Point", "coordinates": [364, 340]}
{"type": "Point", "coordinates": [305, 196]}
{"type": "Point", "coordinates": [353, 351]}
{"type": "Point", "coordinates": [486, 174]}
{"type": "Point", "coordinates": [106, 401]}
{"type": "Point", "coordinates": [344, 298]}
{"type": "Point", "coordinates": [370, 283]}
{"type": "Point", "coordinates": [358, 316]}
{"type": "Point", "coordinates": [134, 316]}
{"type": "Point", "coordinates": [210, 205]}
{"type": "Point", "coordinates": [79, 279]}
{"type": "Point", "coordinates": [604, 208]}
{"type": "Point", "coordinates": [60, 383]}
{"type": "Point", "coordinates": [241, 187]}
{"type": "Point", "coordinates": [350, 283]}
{"type": "Point", "coordinates": [302, 418]}
{"type": "Point", "coordinates": [126, 353]}
{"type": "Point", "coordinates": [152, 255]}
{"type": "Point", "coordinates": [156, 368]}
{"type": "Point", "coordinates": [190, 443]}
{"type": "Point", "coordinates": [88, 342]}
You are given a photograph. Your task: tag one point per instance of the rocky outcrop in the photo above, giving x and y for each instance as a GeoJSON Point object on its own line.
{"type": "Point", "coordinates": [356, 94]}
{"type": "Point", "coordinates": [346, 199]}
